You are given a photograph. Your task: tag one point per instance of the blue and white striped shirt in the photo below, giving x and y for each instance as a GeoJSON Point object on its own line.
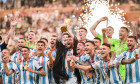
{"type": "Point", "coordinates": [42, 79]}
{"type": "Point", "coordinates": [16, 56]}
{"type": "Point", "coordinates": [132, 70]}
{"type": "Point", "coordinates": [51, 79]}
{"type": "Point", "coordinates": [83, 58]}
{"type": "Point", "coordinates": [11, 78]}
{"type": "Point", "coordinates": [72, 77]}
{"type": "Point", "coordinates": [113, 73]}
{"type": "Point", "coordinates": [27, 77]}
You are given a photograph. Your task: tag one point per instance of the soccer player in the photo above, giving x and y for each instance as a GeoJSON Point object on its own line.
{"type": "Point", "coordinates": [83, 59]}
{"type": "Point", "coordinates": [17, 56]}
{"type": "Point", "coordinates": [110, 76]}
{"type": "Point", "coordinates": [109, 33]}
{"type": "Point", "coordinates": [8, 68]}
{"type": "Point", "coordinates": [97, 42]}
{"type": "Point", "coordinates": [120, 46]}
{"type": "Point", "coordinates": [31, 43]}
{"type": "Point", "coordinates": [66, 46]}
{"type": "Point", "coordinates": [29, 68]}
{"type": "Point", "coordinates": [44, 61]}
{"type": "Point", "coordinates": [83, 34]}
{"type": "Point", "coordinates": [132, 70]}
{"type": "Point", "coordinates": [46, 42]}
{"type": "Point", "coordinates": [53, 53]}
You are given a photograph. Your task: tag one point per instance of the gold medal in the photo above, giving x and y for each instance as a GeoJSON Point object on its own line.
{"type": "Point", "coordinates": [25, 67]}
{"type": "Point", "coordinates": [89, 74]}
{"type": "Point", "coordinates": [107, 79]}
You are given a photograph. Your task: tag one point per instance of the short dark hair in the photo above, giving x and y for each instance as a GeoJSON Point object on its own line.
{"type": "Point", "coordinates": [23, 39]}
{"type": "Point", "coordinates": [125, 29]}
{"type": "Point", "coordinates": [26, 48]}
{"type": "Point", "coordinates": [82, 43]}
{"type": "Point", "coordinates": [32, 31]}
{"type": "Point", "coordinates": [91, 42]}
{"type": "Point", "coordinates": [110, 27]}
{"type": "Point", "coordinates": [106, 44]}
{"type": "Point", "coordinates": [0, 38]}
{"type": "Point", "coordinates": [97, 38]}
{"type": "Point", "coordinates": [133, 38]}
{"type": "Point", "coordinates": [41, 42]}
{"type": "Point", "coordinates": [44, 39]}
{"type": "Point", "coordinates": [54, 35]}
{"type": "Point", "coordinates": [65, 33]}
{"type": "Point", "coordinates": [83, 28]}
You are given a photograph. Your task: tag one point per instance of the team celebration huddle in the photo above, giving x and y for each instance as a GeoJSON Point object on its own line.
{"type": "Point", "coordinates": [67, 59]}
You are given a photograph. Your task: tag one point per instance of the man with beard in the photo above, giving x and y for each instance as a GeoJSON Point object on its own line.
{"type": "Point", "coordinates": [65, 46]}
{"type": "Point", "coordinates": [29, 68]}
{"type": "Point", "coordinates": [44, 61]}
{"type": "Point", "coordinates": [83, 34]}
{"type": "Point", "coordinates": [109, 76]}
{"type": "Point", "coordinates": [97, 43]}
{"type": "Point", "coordinates": [109, 33]}
{"type": "Point", "coordinates": [8, 68]}
{"type": "Point", "coordinates": [17, 56]}
{"type": "Point", "coordinates": [31, 40]}
{"type": "Point", "coordinates": [132, 70]}
{"type": "Point", "coordinates": [83, 59]}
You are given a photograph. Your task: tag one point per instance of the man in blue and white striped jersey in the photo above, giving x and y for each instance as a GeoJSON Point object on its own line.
{"type": "Point", "coordinates": [132, 70]}
{"type": "Point", "coordinates": [8, 68]}
{"type": "Point", "coordinates": [83, 59]}
{"type": "Point", "coordinates": [17, 56]}
{"type": "Point", "coordinates": [53, 53]}
{"type": "Point", "coordinates": [44, 61]}
{"type": "Point", "coordinates": [29, 68]}
{"type": "Point", "coordinates": [109, 76]}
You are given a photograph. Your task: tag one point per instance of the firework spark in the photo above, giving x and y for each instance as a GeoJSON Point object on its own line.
{"type": "Point", "coordinates": [94, 10]}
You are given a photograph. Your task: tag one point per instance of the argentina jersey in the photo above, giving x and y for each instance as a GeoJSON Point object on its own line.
{"type": "Point", "coordinates": [51, 79]}
{"type": "Point", "coordinates": [84, 58]}
{"type": "Point", "coordinates": [11, 78]}
{"type": "Point", "coordinates": [98, 77]}
{"type": "Point", "coordinates": [27, 77]}
{"type": "Point", "coordinates": [72, 77]}
{"type": "Point", "coordinates": [44, 63]}
{"type": "Point", "coordinates": [132, 70]}
{"type": "Point", "coordinates": [16, 56]}
{"type": "Point", "coordinates": [112, 73]}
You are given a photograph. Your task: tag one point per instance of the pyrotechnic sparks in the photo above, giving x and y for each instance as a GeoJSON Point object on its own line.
{"type": "Point", "coordinates": [96, 9]}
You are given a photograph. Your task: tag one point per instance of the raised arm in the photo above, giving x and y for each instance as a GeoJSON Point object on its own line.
{"type": "Point", "coordinates": [104, 35]}
{"type": "Point", "coordinates": [93, 27]}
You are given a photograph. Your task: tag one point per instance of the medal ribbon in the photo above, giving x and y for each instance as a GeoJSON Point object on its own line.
{"type": "Point", "coordinates": [80, 54]}
{"type": "Point", "coordinates": [26, 64]}
{"type": "Point", "coordinates": [106, 72]}
{"type": "Point", "coordinates": [41, 60]}
{"type": "Point", "coordinates": [18, 56]}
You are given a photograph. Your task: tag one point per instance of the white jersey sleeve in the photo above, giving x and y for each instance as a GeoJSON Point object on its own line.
{"type": "Point", "coordinates": [37, 65]}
